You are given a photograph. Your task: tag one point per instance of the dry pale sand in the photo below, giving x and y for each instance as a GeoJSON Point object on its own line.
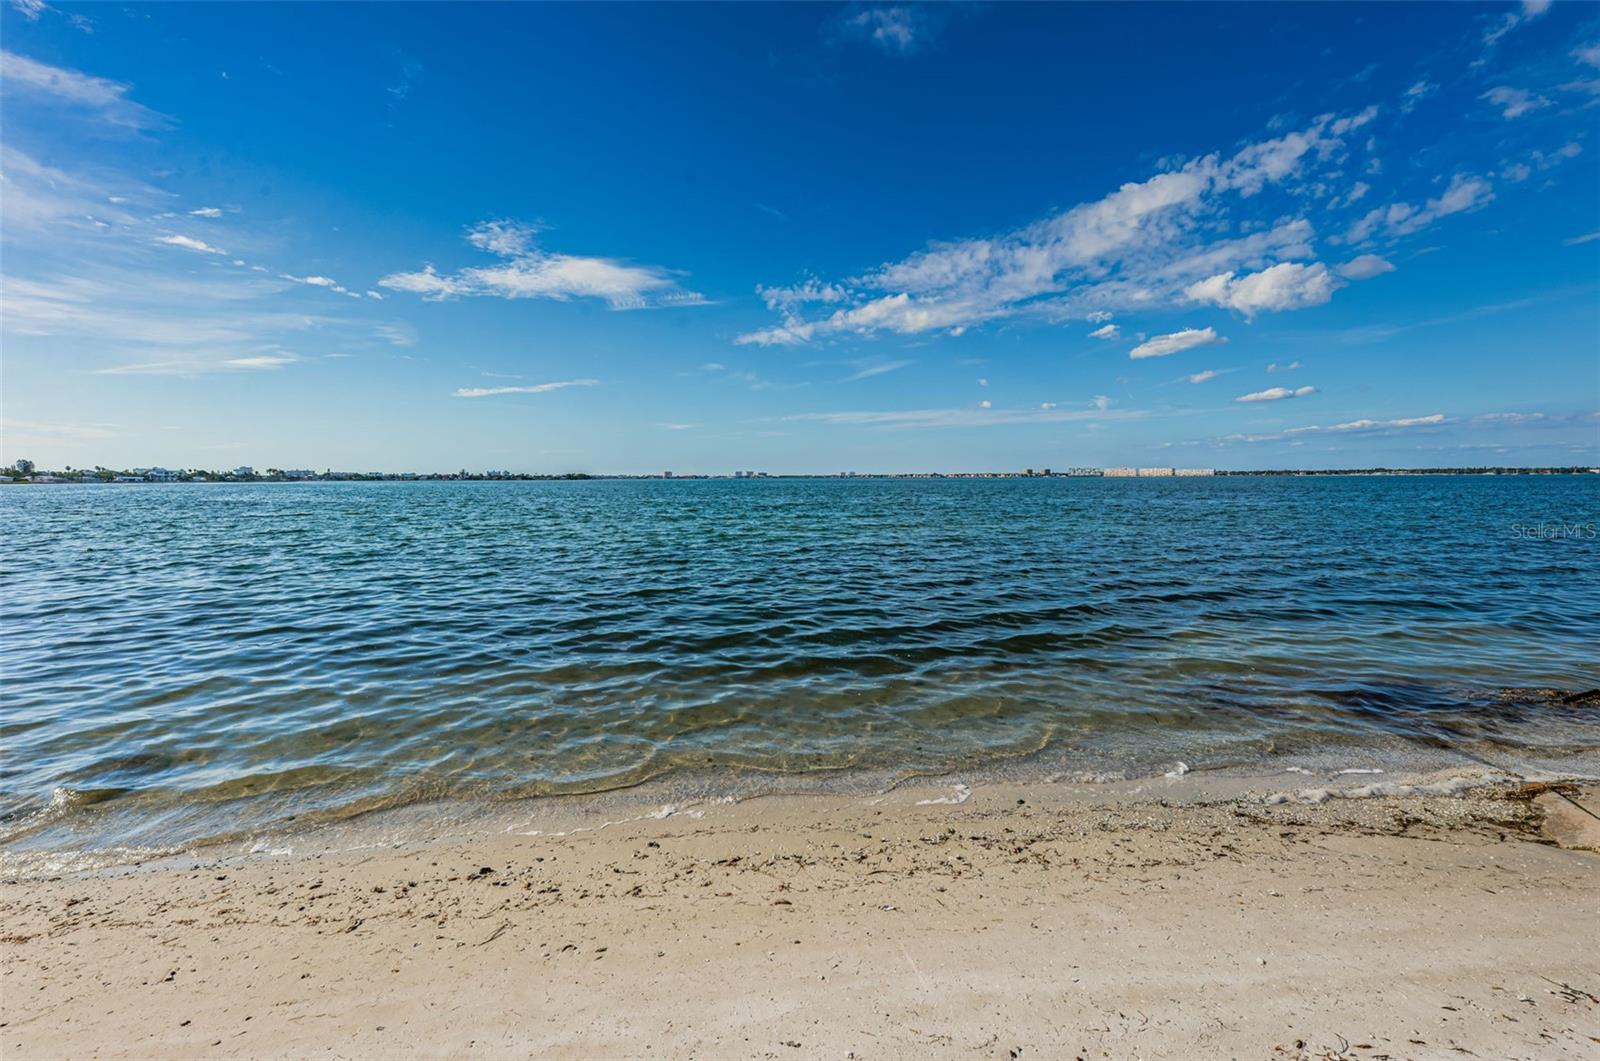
{"type": "Point", "coordinates": [1022, 923]}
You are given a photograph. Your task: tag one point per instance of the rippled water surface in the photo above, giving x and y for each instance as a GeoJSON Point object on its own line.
{"type": "Point", "coordinates": [181, 661]}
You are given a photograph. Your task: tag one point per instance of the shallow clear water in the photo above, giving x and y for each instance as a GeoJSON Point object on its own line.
{"type": "Point", "coordinates": [187, 661]}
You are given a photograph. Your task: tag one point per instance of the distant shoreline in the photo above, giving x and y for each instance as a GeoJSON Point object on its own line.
{"type": "Point", "coordinates": [105, 477]}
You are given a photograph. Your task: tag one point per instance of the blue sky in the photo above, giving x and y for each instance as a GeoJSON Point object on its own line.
{"type": "Point", "coordinates": [800, 238]}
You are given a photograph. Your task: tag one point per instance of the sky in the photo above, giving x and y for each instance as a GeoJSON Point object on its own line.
{"type": "Point", "coordinates": [799, 238]}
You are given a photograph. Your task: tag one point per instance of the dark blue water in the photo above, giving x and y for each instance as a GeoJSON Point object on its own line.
{"type": "Point", "coordinates": [182, 660]}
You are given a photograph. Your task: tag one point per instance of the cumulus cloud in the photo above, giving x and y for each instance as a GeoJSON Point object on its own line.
{"type": "Point", "coordinates": [191, 244]}
{"type": "Point", "coordinates": [1139, 247]}
{"type": "Point", "coordinates": [1276, 394]}
{"type": "Point", "coordinates": [89, 96]}
{"type": "Point", "coordinates": [1286, 286]}
{"type": "Point", "coordinates": [1364, 267]}
{"type": "Point", "coordinates": [1202, 377]}
{"type": "Point", "coordinates": [1175, 342]}
{"type": "Point", "coordinates": [1106, 331]}
{"type": "Point", "coordinates": [1514, 102]}
{"type": "Point", "coordinates": [528, 271]}
{"type": "Point", "coordinates": [535, 388]}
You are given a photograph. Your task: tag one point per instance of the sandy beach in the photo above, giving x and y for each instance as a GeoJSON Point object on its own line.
{"type": "Point", "coordinates": [1023, 921]}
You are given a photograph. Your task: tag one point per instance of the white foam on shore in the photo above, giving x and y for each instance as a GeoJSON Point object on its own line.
{"type": "Point", "coordinates": [1450, 785]}
{"type": "Point", "coordinates": [1177, 771]}
{"type": "Point", "coordinates": [960, 795]}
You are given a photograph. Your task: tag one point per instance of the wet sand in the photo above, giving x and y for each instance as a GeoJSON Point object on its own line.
{"type": "Point", "coordinates": [1021, 922]}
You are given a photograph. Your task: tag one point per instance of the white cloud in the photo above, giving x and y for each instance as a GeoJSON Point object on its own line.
{"type": "Point", "coordinates": [1187, 339]}
{"type": "Point", "coordinates": [191, 244]}
{"type": "Point", "coordinates": [1364, 267]}
{"type": "Point", "coordinates": [1139, 247]}
{"type": "Point", "coordinates": [1587, 237]}
{"type": "Point", "coordinates": [1202, 377]}
{"type": "Point", "coordinates": [1588, 53]}
{"type": "Point", "coordinates": [1514, 102]}
{"type": "Point", "coordinates": [537, 388]}
{"type": "Point", "coordinates": [984, 415]}
{"type": "Point", "coordinates": [1416, 94]}
{"type": "Point", "coordinates": [30, 9]}
{"type": "Point", "coordinates": [1530, 10]}
{"type": "Point", "coordinates": [206, 211]}
{"type": "Point", "coordinates": [106, 100]}
{"type": "Point", "coordinates": [1285, 286]}
{"type": "Point", "coordinates": [1101, 402]}
{"type": "Point", "coordinates": [529, 272]}
{"type": "Point", "coordinates": [1464, 193]}
{"type": "Point", "coordinates": [986, 404]}
{"type": "Point", "coordinates": [1367, 426]}
{"type": "Point", "coordinates": [983, 383]}
{"type": "Point", "coordinates": [1508, 418]}
{"type": "Point", "coordinates": [877, 368]}
{"type": "Point", "coordinates": [677, 427]}
{"type": "Point", "coordinates": [1106, 331]}
{"type": "Point", "coordinates": [261, 361]}
{"type": "Point", "coordinates": [1290, 367]}
{"type": "Point", "coordinates": [1276, 394]}
{"type": "Point", "coordinates": [900, 29]}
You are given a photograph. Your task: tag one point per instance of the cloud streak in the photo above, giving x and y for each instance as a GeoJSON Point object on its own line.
{"type": "Point", "coordinates": [534, 388]}
{"type": "Point", "coordinates": [528, 271]}
{"type": "Point", "coordinates": [1175, 342]}
{"type": "Point", "coordinates": [94, 97]}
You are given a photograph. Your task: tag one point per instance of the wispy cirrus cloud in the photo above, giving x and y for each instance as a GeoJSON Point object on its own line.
{"type": "Point", "coordinates": [532, 388]}
{"type": "Point", "coordinates": [528, 271]}
{"type": "Point", "coordinates": [1464, 194]}
{"type": "Point", "coordinates": [984, 414]}
{"type": "Point", "coordinates": [1362, 426]}
{"type": "Point", "coordinates": [84, 95]}
{"type": "Point", "coordinates": [1514, 102]}
{"type": "Point", "coordinates": [189, 243]}
{"type": "Point", "coordinates": [894, 29]}
{"type": "Point", "coordinates": [866, 370]}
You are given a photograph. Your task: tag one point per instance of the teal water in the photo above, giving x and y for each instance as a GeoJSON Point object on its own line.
{"type": "Point", "coordinates": [188, 661]}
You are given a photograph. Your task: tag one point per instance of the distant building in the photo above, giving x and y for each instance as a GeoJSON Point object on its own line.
{"type": "Point", "coordinates": [1155, 473]}
{"type": "Point", "coordinates": [299, 473]}
{"type": "Point", "coordinates": [1083, 471]}
{"type": "Point", "coordinates": [1120, 473]}
{"type": "Point", "coordinates": [1194, 471]}
{"type": "Point", "coordinates": [244, 470]}
{"type": "Point", "coordinates": [666, 475]}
